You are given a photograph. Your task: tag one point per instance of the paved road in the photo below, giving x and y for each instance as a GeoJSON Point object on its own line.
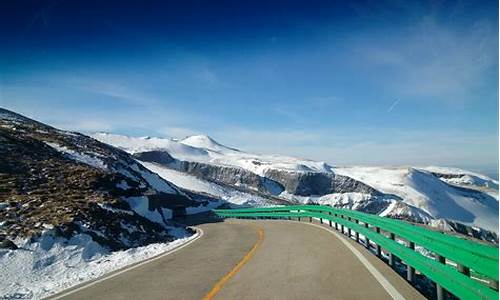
{"type": "Point", "coordinates": [293, 261]}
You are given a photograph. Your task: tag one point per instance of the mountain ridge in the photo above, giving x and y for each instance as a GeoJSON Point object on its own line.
{"type": "Point", "coordinates": [399, 192]}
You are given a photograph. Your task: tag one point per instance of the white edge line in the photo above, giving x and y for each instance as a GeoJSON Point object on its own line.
{"type": "Point", "coordinates": [393, 292]}
{"type": "Point", "coordinates": [133, 266]}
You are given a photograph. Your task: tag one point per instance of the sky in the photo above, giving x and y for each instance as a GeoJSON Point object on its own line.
{"type": "Point", "coordinates": [348, 82]}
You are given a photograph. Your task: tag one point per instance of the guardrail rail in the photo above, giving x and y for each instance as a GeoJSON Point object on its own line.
{"type": "Point", "coordinates": [462, 267]}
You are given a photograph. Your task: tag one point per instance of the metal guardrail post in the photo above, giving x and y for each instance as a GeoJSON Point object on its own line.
{"type": "Point", "coordinates": [377, 247]}
{"type": "Point", "coordinates": [391, 259]}
{"type": "Point", "coordinates": [357, 233]}
{"type": "Point", "coordinates": [367, 240]}
{"type": "Point", "coordinates": [410, 271]}
{"type": "Point", "coordinates": [440, 291]}
{"type": "Point", "coordinates": [310, 219]}
{"type": "Point", "coordinates": [391, 256]}
{"type": "Point", "coordinates": [330, 223]}
{"type": "Point", "coordinates": [349, 229]}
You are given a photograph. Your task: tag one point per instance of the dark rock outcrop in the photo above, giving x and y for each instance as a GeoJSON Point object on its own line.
{"type": "Point", "coordinates": [317, 183]}
{"type": "Point", "coordinates": [160, 157]}
{"type": "Point", "coordinates": [273, 183]}
{"type": "Point", "coordinates": [232, 176]}
{"type": "Point", "coordinates": [8, 244]}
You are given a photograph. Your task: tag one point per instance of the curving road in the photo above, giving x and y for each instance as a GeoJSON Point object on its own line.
{"type": "Point", "coordinates": [288, 260]}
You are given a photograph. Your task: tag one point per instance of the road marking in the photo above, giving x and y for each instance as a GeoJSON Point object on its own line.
{"type": "Point", "coordinates": [368, 265]}
{"type": "Point", "coordinates": [133, 266]}
{"type": "Point", "coordinates": [218, 286]}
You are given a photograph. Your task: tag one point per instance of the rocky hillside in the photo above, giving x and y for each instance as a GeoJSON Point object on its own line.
{"type": "Point", "coordinates": [449, 199]}
{"type": "Point", "coordinates": [68, 183]}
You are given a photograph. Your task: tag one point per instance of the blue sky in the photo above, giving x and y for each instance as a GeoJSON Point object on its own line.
{"type": "Point", "coordinates": [368, 82]}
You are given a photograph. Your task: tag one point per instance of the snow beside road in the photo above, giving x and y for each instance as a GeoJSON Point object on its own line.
{"type": "Point", "coordinates": [52, 264]}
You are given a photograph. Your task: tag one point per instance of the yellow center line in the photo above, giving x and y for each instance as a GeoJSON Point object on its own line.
{"type": "Point", "coordinates": [218, 286]}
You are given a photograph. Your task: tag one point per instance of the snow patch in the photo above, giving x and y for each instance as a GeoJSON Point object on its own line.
{"type": "Point", "coordinates": [141, 206]}
{"type": "Point", "coordinates": [80, 157]}
{"type": "Point", "coordinates": [52, 264]}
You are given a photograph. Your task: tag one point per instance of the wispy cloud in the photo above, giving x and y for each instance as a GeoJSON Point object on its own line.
{"type": "Point", "coordinates": [430, 59]}
{"type": "Point", "coordinates": [110, 88]}
{"type": "Point", "coordinates": [393, 105]}
{"type": "Point", "coordinates": [297, 111]}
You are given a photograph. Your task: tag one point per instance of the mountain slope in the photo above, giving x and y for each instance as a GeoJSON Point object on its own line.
{"type": "Point", "coordinates": [68, 184]}
{"type": "Point", "coordinates": [424, 190]}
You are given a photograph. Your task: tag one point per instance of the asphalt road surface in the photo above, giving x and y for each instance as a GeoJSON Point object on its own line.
{"type": "Point", "coordinates": [232, 260]}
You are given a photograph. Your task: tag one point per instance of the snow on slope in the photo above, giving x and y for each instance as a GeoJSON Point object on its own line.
{"type": "Point", "coordinates": [52, 264]}
{"type": "Point", "coordinates": [204, 149]}
{"type": "Point", "coordinates": [463, 177]}
{"type": "Point", "coordinates": [192, 183]}
{"type": "Point", "coordinates": [427, 192]}
{"type": "Point", "coordinates": [140, 144]}
{"type": "Point", "coordinates": [92, 161]}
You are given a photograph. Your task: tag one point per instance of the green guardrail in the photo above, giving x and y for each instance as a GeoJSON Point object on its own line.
{"type": "Point", "coordinates": [483, 259]}
{"type": "Point", "coordinates": [467, 254]}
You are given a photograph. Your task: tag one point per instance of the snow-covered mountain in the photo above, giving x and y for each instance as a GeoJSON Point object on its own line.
{"type": "Point", "coordinates": [468, 199]}
{"type": "Point", "coordinates": [446, 197]}
{"type": "Point", "coordinates": [73, 184]}
{"type": "Point", "coordinates": [201, 148]}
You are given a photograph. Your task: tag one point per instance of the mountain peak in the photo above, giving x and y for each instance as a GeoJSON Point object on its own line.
{"type": "Point", "coordinates": [200, 137]}
{"type": "Point", "coordinates": [204, 141]}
